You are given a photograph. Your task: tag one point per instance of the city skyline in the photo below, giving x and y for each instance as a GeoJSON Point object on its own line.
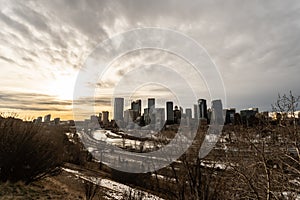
{"type": "Point", "coordinates": [254, 45]}
{"type": "Point", "coordinates": [195, 111]}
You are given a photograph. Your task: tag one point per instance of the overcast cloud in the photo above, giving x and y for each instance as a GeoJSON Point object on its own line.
{"type": "Point", "coordinates": [255, 44]}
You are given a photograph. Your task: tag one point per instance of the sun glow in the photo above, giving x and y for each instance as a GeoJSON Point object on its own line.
{"type": "Point", "coordinates": [63, 86]}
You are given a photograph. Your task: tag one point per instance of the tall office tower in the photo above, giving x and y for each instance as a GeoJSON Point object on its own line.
{"type": "Point", "coordinates": [137, 106]}
{"type": "Point", "coordinates": [133, 114]}
{"type": "Point", "coordinates": [127, 117]}
{"type": "Point", "coordinates": [202, 109]}
{"type": "Point", "coordinates": [188, 113]}
{"type": "Point", "coordinates": [229, 117]}
{"type": "Point", "coordinates": [47, 118]}
{"type": "Point", "coordinates": [217, 117]}
{"type": "Point", "coordinates": [118, 109]}
{"type": "Point", "coordinates": [100, 117]}
{"type": "Point", "coordinates": [246, 115]}
{"type": "Point", "coordinates": [105, 116]}
{"type": "Point", "coordinates": [177, 115]}
{"type": "Point", "coordinates": [147, 116]}
{"type": "Point", "coordinates": [170, 114]}
{"type": "Point", "coordinates": [151, 103]}
{"type": "Point", "coordinates": [159, 118]}
{"type": "Point", "coordinates": [196, 112]}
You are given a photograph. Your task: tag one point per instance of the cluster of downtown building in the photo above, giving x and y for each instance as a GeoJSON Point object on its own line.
{"type": "Point", "coordinates": [47, 120]}
{"type": "Point", "coordinates": [173, 114]}
{"type": "Point", "coordinates": [159, 117]}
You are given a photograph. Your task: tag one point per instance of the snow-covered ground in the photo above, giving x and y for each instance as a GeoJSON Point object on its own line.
{"type": "Point", "coordinates": [117, 190]}
{"type": "Point", "coordinates": [114, 139]}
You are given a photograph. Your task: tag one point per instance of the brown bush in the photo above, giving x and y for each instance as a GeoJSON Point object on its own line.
{"type": "Point", "coordinates": [27, 151]}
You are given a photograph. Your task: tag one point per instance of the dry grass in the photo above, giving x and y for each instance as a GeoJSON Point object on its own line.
{"type": "Point", "coordinates": [57, 187]}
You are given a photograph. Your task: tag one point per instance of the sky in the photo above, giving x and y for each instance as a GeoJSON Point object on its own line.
{"type": "Point", "coordinates": [255, 46]}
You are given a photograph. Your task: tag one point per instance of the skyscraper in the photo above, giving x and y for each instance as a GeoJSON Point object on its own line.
{"type": "Point", "coordinates": [118, 108]}
{"type": "Point", "coordinates": [151, 103]}
{"type": "Point", "coordinates": [127, 118]}
{"type": "Point", "coordinates": [229, 117]}
{"type": "Point", "coordinates": [217, 117]}
{"type": "Point", "coordinates": [159, 118]}
{"type": "Point", "coordinates": [105, 116]}
{"type": "Point", "coordinates": [202, 109]}
{"type": "Point", "coordinates": [196, 111]}
{"type": "Point", "coordinates": [188, 113]}
{"type": "Point", "coordinates": [100, 117]}
{"type": "Point", "coordinates": [177, 115]}
{"type": "Point", "coordinates": [137, 106]}
{"type": "Point", "coordinates": [170, 114]}
{"type": "Point", "coordinates": [147, 116]}
{"type": "Point", "coordinates": [246, 115]}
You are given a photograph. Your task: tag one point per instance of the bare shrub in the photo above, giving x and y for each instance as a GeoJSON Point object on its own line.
{"type": "Point", "coordinates": [90, 189]}
{"type": "Point", "coordinates": [28, 152]}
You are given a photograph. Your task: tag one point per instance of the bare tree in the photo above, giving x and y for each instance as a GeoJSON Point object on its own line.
{"type": "Point", "coordinates": [264, 160]}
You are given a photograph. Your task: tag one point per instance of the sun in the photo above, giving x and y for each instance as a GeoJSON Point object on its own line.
{"type": "Point", "coordinates": [63, 86]}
